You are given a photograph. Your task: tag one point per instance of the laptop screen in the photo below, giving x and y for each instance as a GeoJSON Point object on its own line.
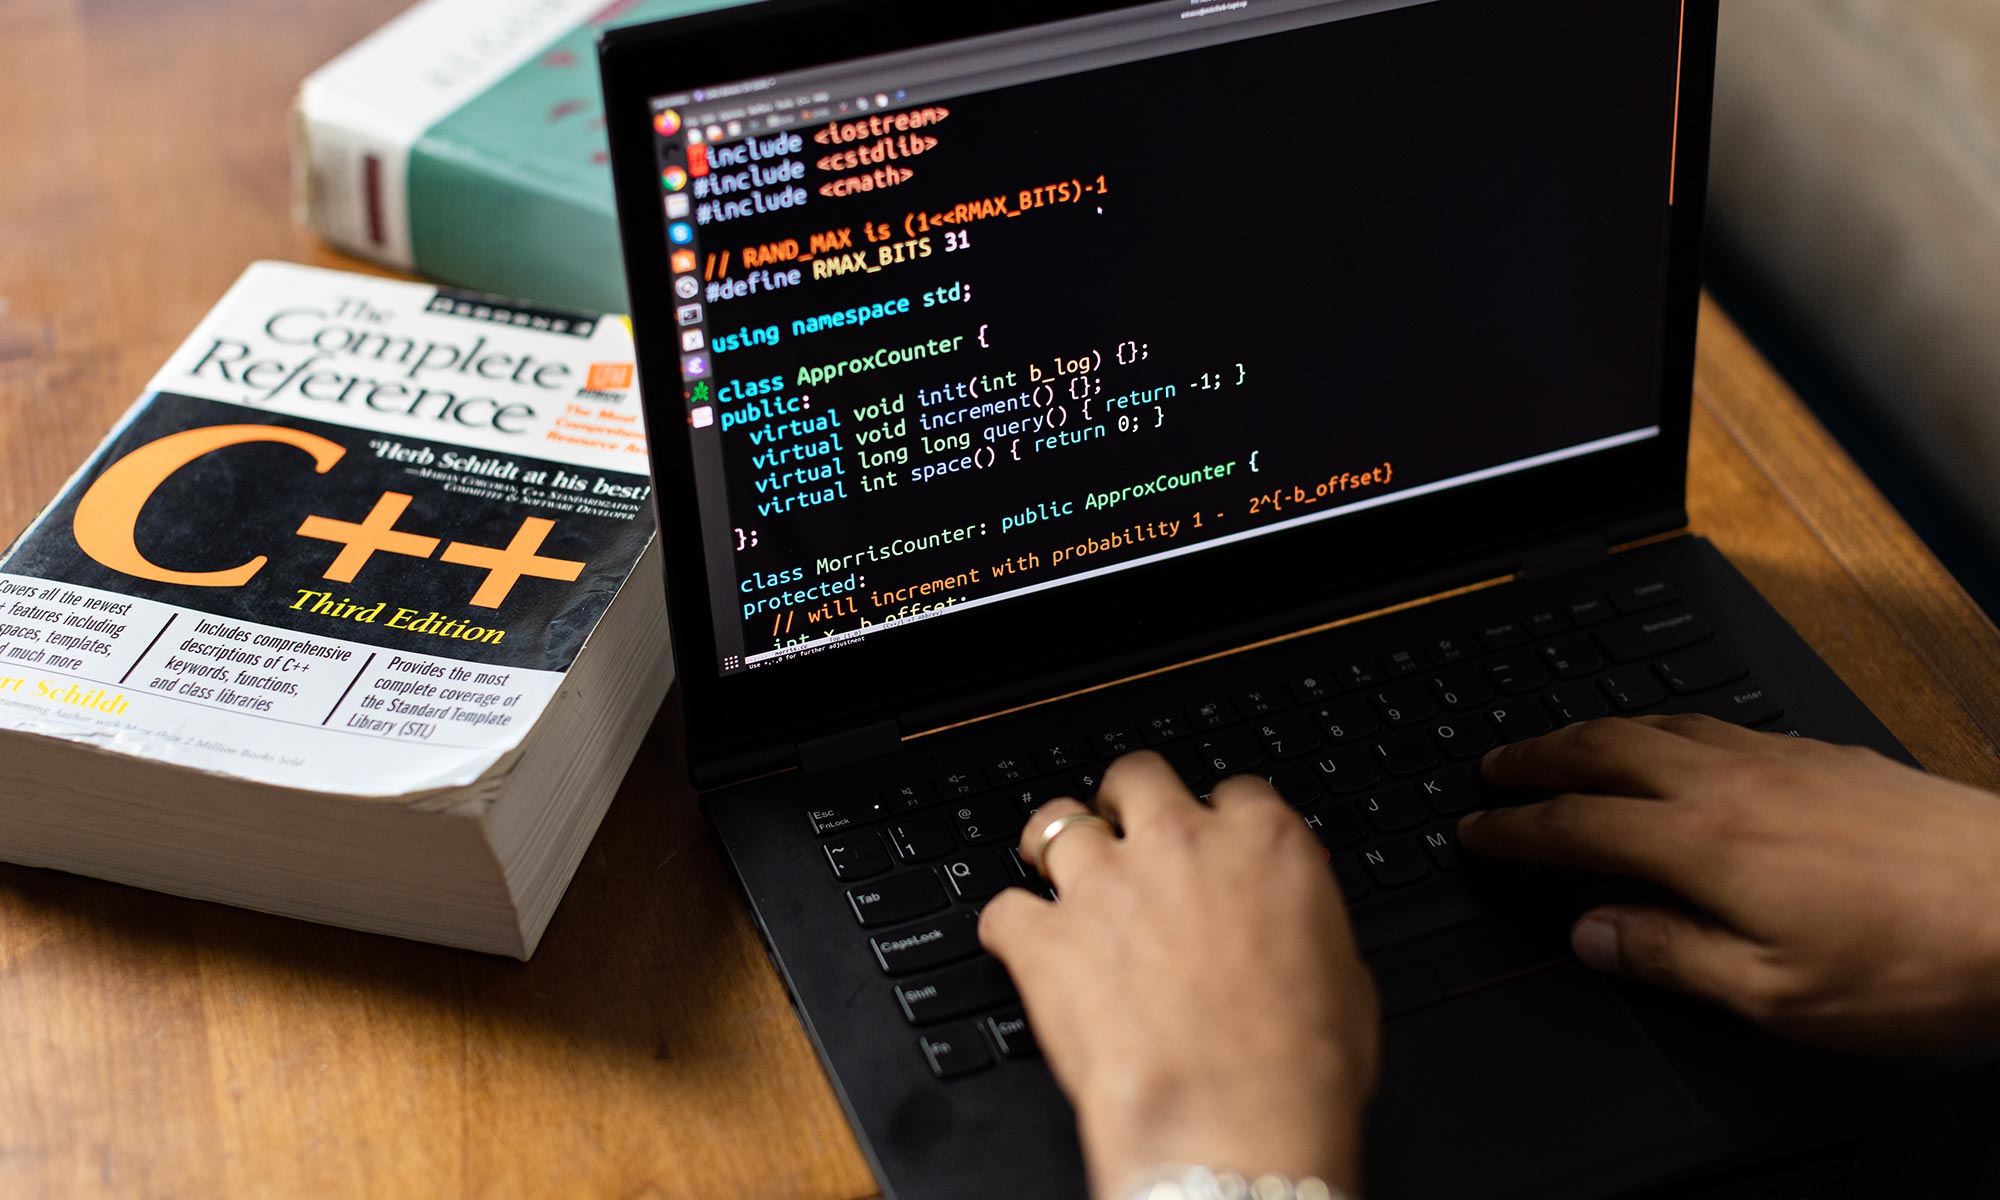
{"type": "Point", "coordinates": [984, 319]}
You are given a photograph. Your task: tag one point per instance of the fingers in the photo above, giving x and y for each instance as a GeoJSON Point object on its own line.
{"type": "Point", "coordinates": [1077, 848]}
{"type": "Point", "coordinates": [1014, 922]}
{"type": "Point", "coordinates": [1677, 950]}
{"type": "Point", "coordinates": [1700, 727]}
{"type": "Point", "coordinates": [1621, 757]}
{"type": "Point", "coordinates": [1240, 792]}
{"type": "Point", "coordinates": [1609, 835]}
{"type": "Point", "coordinates": [1141, 789]}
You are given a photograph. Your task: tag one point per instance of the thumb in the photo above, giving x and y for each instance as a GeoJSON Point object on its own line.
{"type": "Point", "coordinates": [1673, 949]}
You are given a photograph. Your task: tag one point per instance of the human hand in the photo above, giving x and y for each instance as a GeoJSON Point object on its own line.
{"type": "Point", "coordinates": [1836, 896]}
{"type": "Point", "coordinates": [1196, 990]}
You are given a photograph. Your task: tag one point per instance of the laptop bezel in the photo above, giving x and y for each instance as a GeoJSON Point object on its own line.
{"type": "Point", "coordinates": [970, 663]}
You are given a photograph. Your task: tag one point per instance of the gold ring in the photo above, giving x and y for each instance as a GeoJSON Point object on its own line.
{"type": "Point", "coordinates": [1061, 825]}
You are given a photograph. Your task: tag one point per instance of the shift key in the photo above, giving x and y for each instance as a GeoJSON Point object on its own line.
{"type": "Point", "coordinates": [955, 991]}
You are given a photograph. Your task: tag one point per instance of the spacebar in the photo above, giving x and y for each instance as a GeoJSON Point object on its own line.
{"type": "Point", "coordinates": [1417, 912]}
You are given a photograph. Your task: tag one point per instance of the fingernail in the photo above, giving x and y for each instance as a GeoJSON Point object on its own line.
{"type": "Point", "coordinates": [1466, 822]}
{"type": "Point", "coordinates": [1595, 940]}
{"type": "Point", "coordinates": [1491, 756]}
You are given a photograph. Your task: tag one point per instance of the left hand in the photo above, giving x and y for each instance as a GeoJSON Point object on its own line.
{"type": "Point", "coordinates": [1830, 894]}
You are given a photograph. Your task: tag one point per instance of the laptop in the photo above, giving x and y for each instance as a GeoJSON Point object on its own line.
{"type": "Point", "coordinates": [1296, 387]}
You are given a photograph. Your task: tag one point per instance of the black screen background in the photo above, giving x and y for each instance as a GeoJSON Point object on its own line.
{"type": "Point", "coordinates": [1433, 236]}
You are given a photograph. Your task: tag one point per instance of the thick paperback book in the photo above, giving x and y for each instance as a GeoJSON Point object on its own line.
{"type": "Point", "coordinates": [465, 140]}
{"type": "Point", "coordinates": [350, 557]}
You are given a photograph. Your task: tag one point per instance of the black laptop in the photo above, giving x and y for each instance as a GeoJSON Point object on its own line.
{"type": "Point", "coordinates": [1295, 387]}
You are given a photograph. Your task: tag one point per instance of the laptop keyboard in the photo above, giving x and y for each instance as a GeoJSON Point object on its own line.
{"type": "Point", "coordinates": [1377, 753]}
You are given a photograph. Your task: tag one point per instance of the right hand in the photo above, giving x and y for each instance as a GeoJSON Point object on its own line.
{"type": "Point", "coordinates": [1197, 990]}
{"type": "Point", "coordinates": [1835, 896]}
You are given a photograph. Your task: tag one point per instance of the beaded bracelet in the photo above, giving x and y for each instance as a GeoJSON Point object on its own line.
{"type": "Point", "coordinates": [1178, 1182]}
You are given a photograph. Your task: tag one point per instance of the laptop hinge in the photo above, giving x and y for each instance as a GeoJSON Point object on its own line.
{"type": "Point", "coordinates": [1561, 558]}
{"type": "Point", "coordinates": [849, 745]}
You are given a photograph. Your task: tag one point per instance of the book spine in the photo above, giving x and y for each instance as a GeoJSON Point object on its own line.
{"type": "Point", "coordinates": [466, 141]}
{"type": "Point", "coordinates": [453, 211]}
{"type": "Point", "coordinates": [349, 182]}
{"type": "Point", "coordinates": [359, 118]}
{"type": "Point", "coordinates": [482, 221]}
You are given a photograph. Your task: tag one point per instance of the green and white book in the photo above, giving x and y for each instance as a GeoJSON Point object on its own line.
{"type": "Point", "coordinates": [465, 140]}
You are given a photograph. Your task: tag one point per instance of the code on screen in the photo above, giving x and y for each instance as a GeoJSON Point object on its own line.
{"type": "Point", "coordinates": [959, 347]}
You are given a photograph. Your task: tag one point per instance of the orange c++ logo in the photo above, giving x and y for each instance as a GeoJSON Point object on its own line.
{"type": "Point", "coordinates": [108, 514]}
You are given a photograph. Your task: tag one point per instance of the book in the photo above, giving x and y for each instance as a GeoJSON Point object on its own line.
{"type": "Point", "coordinates": [357, 615]}
{"type": "Point", "coordinates": [465, 140]}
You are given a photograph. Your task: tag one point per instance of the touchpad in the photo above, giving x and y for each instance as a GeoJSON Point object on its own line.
{"type": "Point", "coordinates": [1508, 1090]}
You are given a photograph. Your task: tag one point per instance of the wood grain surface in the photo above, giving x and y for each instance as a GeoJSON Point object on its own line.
{"type": "Point", "coordinates": [156, 1047]}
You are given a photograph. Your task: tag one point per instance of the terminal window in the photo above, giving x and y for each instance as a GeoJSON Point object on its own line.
{"type": "Point", "coordinates": [945, 344]}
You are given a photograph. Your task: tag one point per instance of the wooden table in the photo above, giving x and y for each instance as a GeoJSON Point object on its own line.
{"type": "Point", "coordinates": [152, 1046]}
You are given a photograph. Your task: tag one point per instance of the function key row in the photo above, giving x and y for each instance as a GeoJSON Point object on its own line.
{"type": "Point", "coordinates": [841, 815]}
{"type": "Point", "coordinates": [1667, 636]}
{"type": "Point", "coordinates": [1568, 656]}
{"type": "Point", "coordinates": [1343, 740]}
